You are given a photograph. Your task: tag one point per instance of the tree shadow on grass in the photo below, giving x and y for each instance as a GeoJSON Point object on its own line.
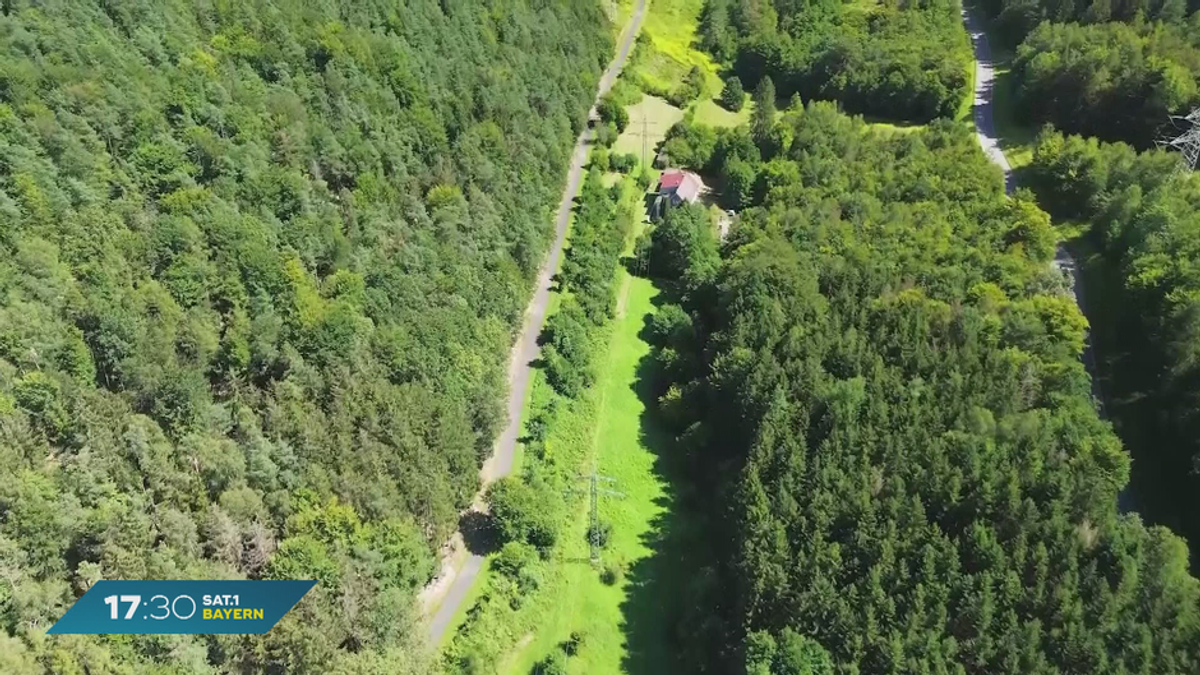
{"type": "Point", "coordinates": [657, 584]}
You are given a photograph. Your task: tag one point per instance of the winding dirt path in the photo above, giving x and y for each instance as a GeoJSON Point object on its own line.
{"type": "Point", "coordinates": [448, 591]}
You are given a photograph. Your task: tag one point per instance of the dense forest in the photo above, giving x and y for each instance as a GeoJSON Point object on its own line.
{"type": "Point", "coordinates": [261, 267]}
{"type": "Point", "coordinates": [1017, 18]}
{"type": "Point", "coordinates": [1118, 76]}
{"type": "Point", "coordinates": [909, 62]}
{"type": "Point", "coordinates": [1143, 219]}
{"type": "Point", "coordinates": [877, 381]}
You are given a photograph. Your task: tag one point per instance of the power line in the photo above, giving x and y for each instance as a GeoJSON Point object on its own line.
{"type": "Point", "coordinates": [645, 140]}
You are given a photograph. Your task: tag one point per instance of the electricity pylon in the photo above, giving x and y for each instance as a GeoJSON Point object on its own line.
{"type": "Point", "coordinates": [646, 125]}
{"type": "Point", "coordinates": [595, 490]}
{"type": "Point", "coordinates": [1188, 143]}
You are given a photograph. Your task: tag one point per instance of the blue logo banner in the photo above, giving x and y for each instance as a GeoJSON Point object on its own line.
{"type": "Point", "coordinates": [188, 607]}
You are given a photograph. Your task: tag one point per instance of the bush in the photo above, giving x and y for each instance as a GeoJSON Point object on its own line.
{"type": "Point", "coordinates": [564, 377]}
{"type": "Point", "coordinates": [538, 426]}
{"type": "Point", "coordinates": [600, 159]}
{"type": "Point", "coordinates": [612, 573]}
{"type": "Point", "coordinates": [690, 144]}
{"type": "Point", "coordinates": [41, 396]}
{"type": "Point", "coordinates": [688, 90]}
{"type": "Point", "coordinates": [639, 264]}
{"type": "Point", "coordinates": [624, 162]}
{"type": "Point", "coordinates": [612, 112]}
{"type": "Point", "coordinates": [672, 326]}
{"type": "Point", "coordinates": [514, 558]}
{"type": "Point", "coordinates": [517, 563]}
{"type": "Point", "coordinates": [573, 644]}
{"type": "Point", "coordinates": [553, 664]}
{"type": "Point", "coordinates": [644, 178]}
{"type": "Point", "coordinates": [606, 134]}
{"type": "Point", "coordinates": [568, 350]}
{"type": "Point", "coordinates": [733, 96]}
{"type": "Point", "coordinates": [602, 531]}
{"type": "Point", "coordinates": [521, 513]}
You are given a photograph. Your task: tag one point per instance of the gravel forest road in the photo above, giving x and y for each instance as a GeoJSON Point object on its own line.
{"type": "Point", "coordinates": [526, 351]}
{"type": "Point", "coordinates": [989, 140]}
{"type": "Point", "coordinates": [985, 83]}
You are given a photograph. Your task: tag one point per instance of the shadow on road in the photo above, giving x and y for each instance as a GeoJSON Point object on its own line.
{"type": "Point", "coordinates": [479, 532]}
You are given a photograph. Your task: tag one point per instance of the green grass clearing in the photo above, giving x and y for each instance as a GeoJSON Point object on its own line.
{"type": "Point", "coordinates": [608, 422]}
{"type": "Point", "coordinates": [882, 124]}
{"type": "Point", "coordinates": [711, 113]}
{"type": "Point", "coordinates": [581, 602]}
{"type": "Point", "coordinates": [657, 115]}
{"type": "Point", "coordinates": [966, 107]}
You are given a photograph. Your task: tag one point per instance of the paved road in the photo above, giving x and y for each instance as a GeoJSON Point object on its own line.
{"type": "Point", "coordinates": [525, 351]}
{"type": "Point", "coordinates": [985, 131]}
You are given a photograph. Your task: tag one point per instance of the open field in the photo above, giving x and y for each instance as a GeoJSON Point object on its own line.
{"type": "Point", "coordinates": [653, 116]}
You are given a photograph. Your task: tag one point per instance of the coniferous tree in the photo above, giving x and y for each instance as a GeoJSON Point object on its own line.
{"type": "Point", "coordinates": [733, 96]}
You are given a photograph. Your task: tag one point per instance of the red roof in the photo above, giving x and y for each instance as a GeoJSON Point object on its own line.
{"type": "Point", "coordinates": [684, 186]}
{"type": "Point", "coordinates": [671, 179]}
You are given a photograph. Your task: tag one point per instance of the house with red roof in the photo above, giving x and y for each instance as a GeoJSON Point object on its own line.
{"type": "Point", "coordinates": [675, 187]}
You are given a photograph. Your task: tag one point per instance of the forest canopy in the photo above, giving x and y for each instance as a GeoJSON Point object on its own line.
{"type": "Point", "coordinates": [1111, 81]}
{"type": "Point", "coordinates": [261, 267]}
{"type": "Point", "coordinates": [879, 386]}
{"type": "Point", "coordinates": [1142, 216]}
{"type": "Point", "coordinates": [1113, 70]}
{"type": "Point", "coordinates": [908, 63]}
{"type": "Point", "coordinates": [1017, 18]}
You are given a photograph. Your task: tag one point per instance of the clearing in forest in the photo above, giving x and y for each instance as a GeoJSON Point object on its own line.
{"type": "Point", "coordinates": [711, 113]}
{"type": "Point", "coordinates": [623, 435]}
{"type": "Point", "coordinates": [653, 116]}
{"type": "Point", "coordinates": [608, 424]}
{"type": "Point", "coordinates": [611, 425]}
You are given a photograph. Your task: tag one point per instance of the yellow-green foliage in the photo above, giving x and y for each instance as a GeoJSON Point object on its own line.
{"type": "Point", "coordinates": [670, 49]}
